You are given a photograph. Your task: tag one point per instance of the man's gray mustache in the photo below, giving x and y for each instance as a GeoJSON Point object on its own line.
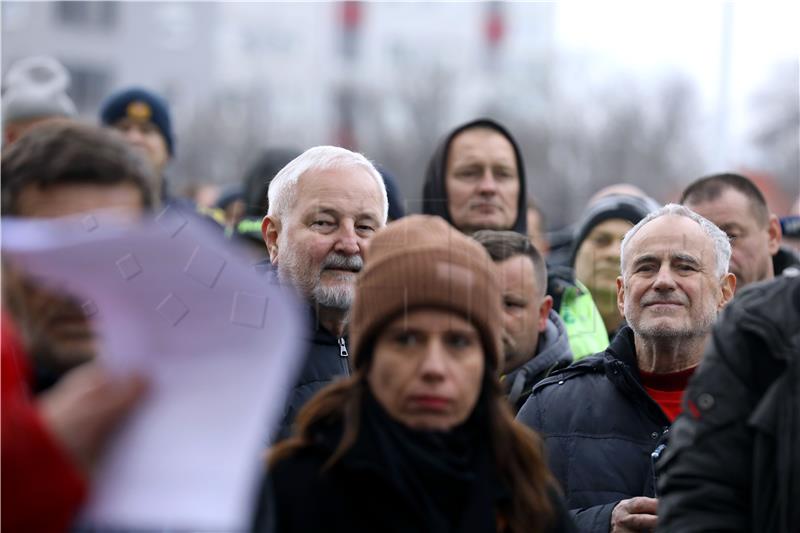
{"type": "Point", "coordinates": [343, 262]}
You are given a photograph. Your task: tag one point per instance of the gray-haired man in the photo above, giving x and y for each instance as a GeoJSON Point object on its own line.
{"type": "Point", "coordinates": [606, 414]}
{"type": "Point", "coordinates": [324, 207]}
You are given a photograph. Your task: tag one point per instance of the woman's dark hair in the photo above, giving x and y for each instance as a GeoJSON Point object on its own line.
{"type": "Point", "coordinates": [518, 451]}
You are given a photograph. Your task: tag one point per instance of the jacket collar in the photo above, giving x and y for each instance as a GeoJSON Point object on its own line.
{"type": "Point", "coordinates": [320, 335]}
{"type": "Point", "coordinates": [552, 351]}
{"type": "Point", "coordinates": [623, 348]}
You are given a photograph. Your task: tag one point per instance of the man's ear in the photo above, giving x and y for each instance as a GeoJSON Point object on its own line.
{"type": "Point", "coordinates": [774, 233]}
{"type": "Point", "coordinates": [728, 286]}
{"type": "Point", "coordinates": [621, 296]}
{"type": "Point", "coordinates": [544, 312]}
{"type": "Point", "coordinates": [270, 229]}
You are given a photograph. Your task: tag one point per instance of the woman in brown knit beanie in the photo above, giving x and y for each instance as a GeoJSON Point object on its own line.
{"type": "Point", "coordinates": [420, 437]}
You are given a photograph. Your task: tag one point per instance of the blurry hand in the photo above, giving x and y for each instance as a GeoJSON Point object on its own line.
{"type": "Point", "coordinates": [634, 515]}
{"type": "Point", "coordinates": [83, 409]}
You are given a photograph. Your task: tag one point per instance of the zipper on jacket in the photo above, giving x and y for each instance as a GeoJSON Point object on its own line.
{"type": "Point", "coordinates": [343, 356]}
{"type": "Point", "coordinates": [655, 456]}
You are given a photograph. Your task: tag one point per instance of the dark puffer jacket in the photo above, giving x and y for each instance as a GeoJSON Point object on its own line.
{"type": "Point", "coordinates": [733, 463]}
{"type": "Point", "coordinates": [600, 428]}
{"type": "Point", "coordinates": [327, 360]}
{"type": "Point", "coordinates": [434, 192]}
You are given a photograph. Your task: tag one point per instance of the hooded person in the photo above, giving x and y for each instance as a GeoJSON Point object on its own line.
{"type": "Point", "coordinates": [476, 181]}
{"type": "Point", "coordinates": [421, 429]}
{"type": "Point", "coordinates": [596, 249]}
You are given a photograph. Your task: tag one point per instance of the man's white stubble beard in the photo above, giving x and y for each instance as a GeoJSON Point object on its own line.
{"type": "Point", "coordinates": [296, 270]}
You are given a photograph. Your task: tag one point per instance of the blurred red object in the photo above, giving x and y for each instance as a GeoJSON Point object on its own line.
{"type": "Point", "coordinates": [42, 489]}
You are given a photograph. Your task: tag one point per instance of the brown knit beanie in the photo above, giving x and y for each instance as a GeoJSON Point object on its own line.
{"type": "Point", "coordinates": [423, 262]}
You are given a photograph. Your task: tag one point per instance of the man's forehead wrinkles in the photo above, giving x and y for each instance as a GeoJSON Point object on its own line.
{"type": "Point", "coordinates": [353, 208]}
{"type": "Point", "coordinates": [477, 158]}
{"type": "Point", "coordinates": [340, 192]}
{"type": "Point", "coordinates": [669, 252]}
{"type": "Point", "coordinates": [685, 238]}
{"type": "Point", "coordinates": [645, 256]}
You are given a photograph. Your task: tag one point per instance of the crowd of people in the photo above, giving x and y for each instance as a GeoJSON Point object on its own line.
{"type": "Point", "coordinates": [462, 373]}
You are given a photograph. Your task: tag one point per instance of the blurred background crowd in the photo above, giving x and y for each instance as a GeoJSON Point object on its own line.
{"type": "Point", "coordinates": [540, 141]}
{"type": "Point", "coordinates": [650, 94]}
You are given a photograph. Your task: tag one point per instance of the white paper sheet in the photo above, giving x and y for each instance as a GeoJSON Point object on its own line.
{"type": "Point", "coordinates": [220, 343]}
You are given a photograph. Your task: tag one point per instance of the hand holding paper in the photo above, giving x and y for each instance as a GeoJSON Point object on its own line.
{"type": "Point", "coordinates": [216, 341]}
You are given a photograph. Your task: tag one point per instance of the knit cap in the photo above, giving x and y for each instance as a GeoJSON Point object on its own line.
{"type": "Point", "coordinates": [614, 206]}
{"type": "Point", "coordinates": [421, 261]}
{"type": "Point", "coordinates": [36, 87]}
{"type": "Point", "coordinates": [141, 105]}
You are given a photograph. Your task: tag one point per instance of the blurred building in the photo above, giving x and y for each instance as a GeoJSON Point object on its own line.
{"type": "Point", "coordinates": [164, 46]}
{"type": "Point", "coordinates": [384, 78]}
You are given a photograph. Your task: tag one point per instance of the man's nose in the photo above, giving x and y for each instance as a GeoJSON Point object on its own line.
{"type": "Point", "coordinates": [664, 278]}
{"type": "Point", "coordinates": [347, 240]}
{"type": "Point", "coordinates": [488, 183]}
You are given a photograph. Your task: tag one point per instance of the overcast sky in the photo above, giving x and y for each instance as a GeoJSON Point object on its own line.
{"type": "Point", "coordinates": [645, 39]}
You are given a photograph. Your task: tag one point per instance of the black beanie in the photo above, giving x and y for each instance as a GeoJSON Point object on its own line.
{"type": "Point", "coordinates": [142, 105]}
{"type": "Point", "coordinates": [615, 206]}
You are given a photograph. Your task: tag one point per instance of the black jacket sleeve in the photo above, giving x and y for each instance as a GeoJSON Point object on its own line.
{"type": "Point", "coordinates": [705, 474]}
{"type": "Point", "coordinates": [595, 519]}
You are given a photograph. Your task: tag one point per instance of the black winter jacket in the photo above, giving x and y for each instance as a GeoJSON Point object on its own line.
{"type": "Point", "coordinates": [600, 428]}
{"type": "Point", "coordinates": [733, 462]}
{"type": "Point", "coordinates": [326, 360]}
{"type": "Point", "coordinates": [391, 480]}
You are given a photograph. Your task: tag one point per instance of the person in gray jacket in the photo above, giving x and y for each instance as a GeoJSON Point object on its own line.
{"type": "Point", "coordinates": [534, 337]}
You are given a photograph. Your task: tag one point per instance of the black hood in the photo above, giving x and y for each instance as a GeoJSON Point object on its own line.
{"type": "Point", "coordinates": [434, 192]}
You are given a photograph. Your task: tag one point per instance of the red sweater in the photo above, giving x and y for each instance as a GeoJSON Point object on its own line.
{"type": "Point", "coordinates": [667, 389]}
{"type": "Point", "coordinates": [42, 489]}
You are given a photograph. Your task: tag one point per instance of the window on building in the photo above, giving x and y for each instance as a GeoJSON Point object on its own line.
{"type": "Point", "coordinates": [89, 85]}
{"type": "Point", "coordinates": [86, 14]}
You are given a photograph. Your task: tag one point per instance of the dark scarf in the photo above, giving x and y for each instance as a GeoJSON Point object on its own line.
{"type": "Point", "coordinates": [447, 478]}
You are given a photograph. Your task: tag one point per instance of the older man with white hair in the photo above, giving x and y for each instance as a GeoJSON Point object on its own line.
{"type": "Point", "coordinates": [604, 418]}
{"type": "Point", "coordinates": [324, 207]}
